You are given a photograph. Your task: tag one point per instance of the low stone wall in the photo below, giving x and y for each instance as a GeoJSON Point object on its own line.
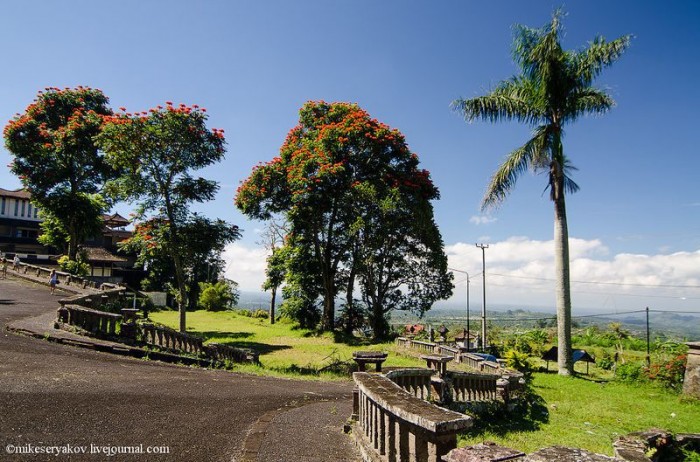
{"type": "Point", "coordinates": [414, 381]}
{"type": "Point", "coordinates": [66, 279]}
{"type": "Point", "coordinates": [633, 447]}
{"type": "Point", "coordinates": [691, 381]}
{"type": "Point", "coordinates": [394, 425]}
{"type": "Point", "coordinates": [475, 387]}
{"type": "Point", "coordinates": [96, 300]}
{"type": "Point", "coordinates": [94, 321]}
{"type": "Point", "coordinates": [170, 339]}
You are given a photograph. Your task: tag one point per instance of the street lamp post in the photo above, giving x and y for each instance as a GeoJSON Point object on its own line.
{"type": "Point", "coordinates": [483, 248]}
{"type": "Point", "coordinates": [468, 331]}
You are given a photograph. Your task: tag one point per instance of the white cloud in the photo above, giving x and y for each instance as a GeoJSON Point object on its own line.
{"type": "Point", "coordinates": [482, 219]}
{"type": "Point", "coordinates": [246, 265]}
{"type": "Point", "coordinates": [520, 272]}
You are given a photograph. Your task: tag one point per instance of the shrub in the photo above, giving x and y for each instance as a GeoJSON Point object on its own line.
{"type": "Point", "coordinates": [668, 373]}
{"type": "Point", "coordinates": [74, 267]}
{"type": "Point", "coordinates": [518, 361]}
{"type": "Point", "coordinates": [630, 372]}
{"type": "Point", "coordinates": [260, 314]}
{"type": "Point", "coordinates": [219, 296]}
{"type": "Point", "coordinates": [605, 361]}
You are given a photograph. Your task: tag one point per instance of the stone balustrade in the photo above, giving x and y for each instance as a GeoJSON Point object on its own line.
{"type": "Point", "coordinates": [96, 300]}
{"type": "Point", "coordinates": [170, 339]}
{"type": "Point", "coordinates": [449, 351]}
{"type": "Point", "coordinates": [426, 347]}
{"type": "Point", "coordinates": [491, 366]}
{"type": "Point", "coordinates": [474, 387]}
{"type": "Point", "coordinates": [223, 353]}
{"type": "Point", "coordinates": [414, 381]}
{"type": "Point", "coordinates": [393, 425]}
{"type": "Point", "coordinates": [472, 360]}
{"type": "Point", "coordinates": [63, 277]}
{"type": "Point", "coordinates": [94, 321]}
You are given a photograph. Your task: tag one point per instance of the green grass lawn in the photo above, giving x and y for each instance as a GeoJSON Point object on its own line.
{"type": "Point", "coordinates": [579, 411]}
{"type": "Point", "coordinates": [283, 348]}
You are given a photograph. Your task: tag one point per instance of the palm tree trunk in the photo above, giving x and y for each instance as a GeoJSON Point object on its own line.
{"type": "Point", "coordinates": [561, 269]}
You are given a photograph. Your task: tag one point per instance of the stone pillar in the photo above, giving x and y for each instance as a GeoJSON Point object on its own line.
{"type": "Point", "coordinates": [691, 381]}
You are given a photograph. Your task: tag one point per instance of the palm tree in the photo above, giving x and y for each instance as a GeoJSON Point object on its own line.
{"type": "Point", "coordinates": [554, 88]}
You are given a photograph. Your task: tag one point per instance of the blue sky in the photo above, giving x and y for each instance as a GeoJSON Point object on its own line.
{"type": "Point", "coordinates": [635, 222]}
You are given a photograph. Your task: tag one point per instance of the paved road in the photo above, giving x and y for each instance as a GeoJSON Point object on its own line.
{"type": "Point", "coordinates": [57, 395]}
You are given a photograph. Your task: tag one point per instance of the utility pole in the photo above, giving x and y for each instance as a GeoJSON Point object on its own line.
{"type": "Point", "coordinates": [468, 331]}
{"type": "Point", "coordinates": [648, 357]}
{"type": "Point", "coordinates": [483, 248]}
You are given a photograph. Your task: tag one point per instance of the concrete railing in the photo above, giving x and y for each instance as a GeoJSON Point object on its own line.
{"type": "Point", "coordinates": [63, 277]}
{"type": "Point", "coordinates": [94, 321]}
{"type": "Point", "coordinates": [393, 425]}
{"type": "Point", "coordinates": [472, 360]}
{"type": "Point", "coordinates": [426, 347]}
{"type": "Point", "coordinates": [96, 300]}
{"type": "Point", "coordinates": [449, 351]}
{"type": "Point", "coordinates": [472, 387]}
{"type": "Point", "coordinates": [414, 381]}
{"type": "Point", "coordinates": [171, 339]}
{"type": "Point", "coordinates": [224, 353]}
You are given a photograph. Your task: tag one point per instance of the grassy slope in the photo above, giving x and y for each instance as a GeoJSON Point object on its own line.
{"type": "Point", "coordinates": [582, 413]}
{"type": "Point", "coordinates": [282, 347]}
{"type": "Point", "coordinates": [575, 411]}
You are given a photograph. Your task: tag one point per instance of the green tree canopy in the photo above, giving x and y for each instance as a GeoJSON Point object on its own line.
{"type": "Point", "coordinates": [158, 150]}
{"type": "Point", "coordinates": [57, 159]}
{"type": "Point", "coordinates": [320, 182]}
{"type": "Point", "coordinates": [553, 89]}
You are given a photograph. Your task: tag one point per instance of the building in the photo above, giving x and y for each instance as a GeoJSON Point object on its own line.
{"type": "Point", "coordinates": [19, 225]}
{"type": "Point", "coordinates": [20, 228]}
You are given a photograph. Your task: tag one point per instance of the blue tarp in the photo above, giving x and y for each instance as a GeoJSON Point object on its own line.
{"type": "Point", "coordinates": [578, 355]}
{"type": "Point", "coordinates": [487, 357]}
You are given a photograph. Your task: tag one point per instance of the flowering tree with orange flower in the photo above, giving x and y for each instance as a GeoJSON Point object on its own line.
{"type": "Point", "coordinates": [57, 160]}
{"type": "Point", "coordinates": [157, 151]}
{"type": "Point", "coordinates": [332, 171]}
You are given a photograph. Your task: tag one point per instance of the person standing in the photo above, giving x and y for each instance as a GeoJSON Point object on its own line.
{"type": "Point", "coordinates": [53, 280]}
{"type": "Point", "coordinates": [15, 263]}
{"type": "Point", "coordinates": [4, 267]}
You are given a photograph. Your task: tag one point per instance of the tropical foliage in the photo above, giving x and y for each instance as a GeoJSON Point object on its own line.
{"type": "Point", "coordinates": [158, 150]}
{"type": "Point", "coordinates": [358, 208]}
{"type": "Point", "coordinates": [554, 88]}
{"type": "Point", "coordinates": [58, 162]}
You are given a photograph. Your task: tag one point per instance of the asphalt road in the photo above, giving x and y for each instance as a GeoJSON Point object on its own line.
{"type": "Point", "coordinates": [71, 398]}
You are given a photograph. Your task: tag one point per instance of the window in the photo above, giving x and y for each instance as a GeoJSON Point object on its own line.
{"type": "Point", "coordinates": [36, 212]}
{"type": "Point", "coordinates": [16, 207]}
{"type": "Point", "coordinates": [24, 203]}
{"type": "Point", "coordinates": [29, 210]}
{"type": "Point", "coordinates": [2, 208]}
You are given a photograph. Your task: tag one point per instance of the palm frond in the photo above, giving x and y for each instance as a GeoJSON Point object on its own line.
{"type": "Point", "coordinates": [588, 100]}
{"type": "Point", "coordinates": [513, 99]}
{"type": "Point", "coordinates": [600, 54]}
{"type": "Point", "coordinates": [533, 155]}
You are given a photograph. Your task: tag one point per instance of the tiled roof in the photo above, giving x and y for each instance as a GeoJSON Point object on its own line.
{"type": "Point", "coordinates": [98, 254]}
{"type": "Point", "coordinates": [16, 193]}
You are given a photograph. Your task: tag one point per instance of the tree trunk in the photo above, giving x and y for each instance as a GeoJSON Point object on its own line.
{"type": "Point", "coordinates": [72, 242]}
{"type": "Point", "coordinates": [272, 304]}
{"type": "Point", "coordinates": [180, 276]}
{"type": "Point", "coordinates": [328, 321]}
{"type": "Point", "coordinates": [561, 269]}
